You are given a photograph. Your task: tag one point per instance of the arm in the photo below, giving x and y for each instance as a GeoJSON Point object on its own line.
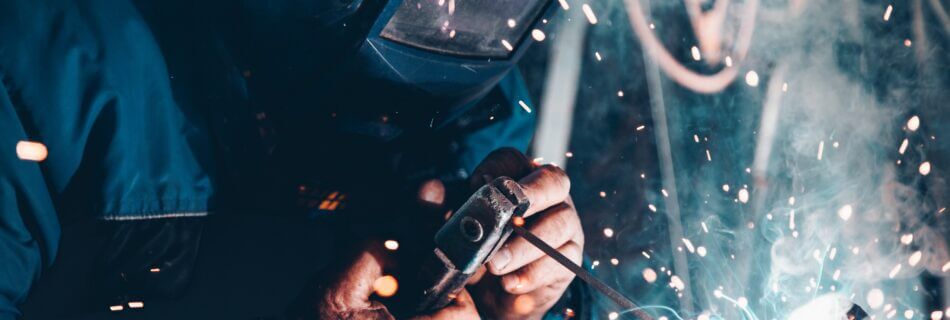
{"type": "Point", "coordinates": [516, 130]}
{"type": "Point", "coordinates": [29, 230]}
{"type": "Point", "coordinates": [513, 128]}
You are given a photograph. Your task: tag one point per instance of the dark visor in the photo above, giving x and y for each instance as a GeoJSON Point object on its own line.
{"type": "Point", "coordinates": [468, 28]}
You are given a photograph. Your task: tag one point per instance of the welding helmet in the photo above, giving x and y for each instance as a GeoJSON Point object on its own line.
{"type": "Point", "coordinates": [421, 63]}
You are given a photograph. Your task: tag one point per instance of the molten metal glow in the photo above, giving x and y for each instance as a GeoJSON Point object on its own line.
{"type": "Point", "coordinates": [385, 286]}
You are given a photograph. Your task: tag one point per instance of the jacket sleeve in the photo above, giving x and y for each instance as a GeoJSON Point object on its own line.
{"type": "Point", "coordinates": [29, 231]}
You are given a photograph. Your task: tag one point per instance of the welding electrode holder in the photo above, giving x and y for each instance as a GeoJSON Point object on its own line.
{"type": "Point", "coordinates": [467, 240]}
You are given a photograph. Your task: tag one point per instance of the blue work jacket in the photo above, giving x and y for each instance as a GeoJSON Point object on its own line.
{"type": "Point", "coordinates": [144, 114]}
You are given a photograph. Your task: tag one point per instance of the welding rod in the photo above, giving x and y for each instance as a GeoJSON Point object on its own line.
{"type": "Point", "coordinates": [582, 273]}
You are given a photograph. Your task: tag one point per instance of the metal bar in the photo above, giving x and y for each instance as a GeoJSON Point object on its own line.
{"type": "Point", "coordinates": [560, 89]}
{"type": "Point", "coordinates": [667, 172]}
{"type": "Point", "coordinates": [582, 273]}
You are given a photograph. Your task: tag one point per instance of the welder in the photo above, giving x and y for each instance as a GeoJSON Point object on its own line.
{"type": "Point", "coordinates": [235, 159]}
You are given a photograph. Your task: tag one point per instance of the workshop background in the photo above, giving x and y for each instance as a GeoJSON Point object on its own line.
{"type": "Point", "coordinates": [754, 159]}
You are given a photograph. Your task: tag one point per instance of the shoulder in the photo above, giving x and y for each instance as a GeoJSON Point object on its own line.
{"type": "Point", "coordinates": [48, 39]}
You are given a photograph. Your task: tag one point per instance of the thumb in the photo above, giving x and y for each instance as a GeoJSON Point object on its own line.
{"type": "Point", "coordinates": [508, 162]}
{"type": "Point", "coordinates": [356, 283]}
{"type": "Point", "coordinates": [350, 294]}
{"type": "Point", "coordinates": [432, 193]}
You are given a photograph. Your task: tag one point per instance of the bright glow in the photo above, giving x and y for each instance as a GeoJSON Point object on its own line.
{"type": "Point", "coordinates": [391, 245]}
{"type": "Point", "coordinates": [649, 275]}
{"type": "Point", "coordinates": [743, 195]}
{"type": "Point", "coordinates": [385, 286]}
{"type": "Point", "coordinates": [936, 315]}
{"type": "Point", "coordinates": [826, 307]}
{"type": "Point", "coordinates": [752, 78]}
{"type": "Point", "coordinates": [907, 238]}
{"type": "Point", "coordinates": [896, 270]}
{"type": "Point", "coordinates": [31, 151]}
{"type": "Point", "coordinates": [875, 298]}
{"type": "Point", "coordinates": [914, 258]}
{"type": "Point", "coordinates": [924, 168]}
{"type": "Point", "coordinates": [507, 45]}
{"type": "Point", "coordinates": [845, 212]}
{"type": "Point", "coordinates": [887, 12]}
{"type": "Point", "coordinates": [524, 106]}
{"type": "Point", "coordinates": [689, 245]}
{"type": "Point", "coordinates": [913, 123]}
{"type": "Point", "coordinates": [608, 232]}
{"type": "Point", "coordinates": [537, 34]}
{"type": "Point", "coordinates": [518, 221]}
{"type": "Point", "coordinates": [696, 54]}
{"type": "Point", "coordinates": [677, 283]}
{"type": "Point", "coordinates": [742, 302]}
{"type": "Point", "coordinates": [589, 13]}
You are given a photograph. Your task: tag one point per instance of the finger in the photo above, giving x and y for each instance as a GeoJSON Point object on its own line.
{"type": "Point", "coordinates": [356, 284]}
{"type": "Point", "coordinates": [462, 301]}
{"type": "Point", "coordinates": [463, 307]}
{"type": "Point", "coordinates": [544, 272]}
{"type": "Point", "coordinates": [545, 187]}
{"type": "Point", "coordinates": [532, 305]}
{"type": "Point", "coordinates": [508, 162]}
{"type": "Point", "coordinates": [432, 193]}
{"type": "Point", "coordinates": [475, 278]}
{"type": "Point", "coordinates": [556, 226]}
{"type": "Point", "coordinates": [353, 286]}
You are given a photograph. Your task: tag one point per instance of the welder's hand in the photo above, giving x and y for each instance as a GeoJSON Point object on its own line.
{"type": "Point", "coordinates": [349, 296]}
{"type": "Point", "coordinates": [523, 282]}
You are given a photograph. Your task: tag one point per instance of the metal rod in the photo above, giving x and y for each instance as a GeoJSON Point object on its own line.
{"type": "Point", "coordinates": [582, 273]}
{"type": "Point", "coordinates": [664, 148]}
{"type": "Point", "coordinates": [556, 114]}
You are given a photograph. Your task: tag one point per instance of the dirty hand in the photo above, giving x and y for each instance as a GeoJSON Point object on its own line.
{"type": "Point", "coordinates": [523, 282]}
{"type": "Point", "coordinates": [350, 295]}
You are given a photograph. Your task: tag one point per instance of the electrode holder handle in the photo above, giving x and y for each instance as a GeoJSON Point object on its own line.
{"type": "Point", "coordinates": [468, 240]}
